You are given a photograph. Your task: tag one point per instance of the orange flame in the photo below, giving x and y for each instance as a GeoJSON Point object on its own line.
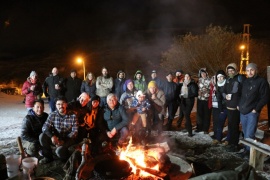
{"type": "Point", "coordinates": [136, 157]}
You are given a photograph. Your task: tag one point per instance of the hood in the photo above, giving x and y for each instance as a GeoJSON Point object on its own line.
{"type": "Point", "coordinates": [202, 70]}
{"type": "Point", "coordinates": [119, 73]}
{"type": "Point", "coordinates": [139, 72]}
{"type": "Point", "coordinates": [232, 65]}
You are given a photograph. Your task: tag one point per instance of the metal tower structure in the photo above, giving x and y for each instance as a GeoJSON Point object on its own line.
{"type": "Point", "coordinates": [244, 61]}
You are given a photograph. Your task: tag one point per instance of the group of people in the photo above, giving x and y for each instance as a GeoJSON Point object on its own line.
{"type": "Point", "coordinates": [105, 109]}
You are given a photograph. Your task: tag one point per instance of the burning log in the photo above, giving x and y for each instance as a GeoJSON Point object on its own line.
{"type": "Point", "coordinates": [159, 174]}
{"type": "Point", "coordinates": [150, 161]}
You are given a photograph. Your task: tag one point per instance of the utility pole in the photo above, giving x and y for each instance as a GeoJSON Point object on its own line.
{"type": "Point", "coordinates": [244, 61]}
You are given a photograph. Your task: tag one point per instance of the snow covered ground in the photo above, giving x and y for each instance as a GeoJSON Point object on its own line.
{"type": "Point", "coordinates": [12, 112]}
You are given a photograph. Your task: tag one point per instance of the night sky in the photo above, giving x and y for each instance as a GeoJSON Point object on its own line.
{"type": "Point", "coordinates": [36, 26]}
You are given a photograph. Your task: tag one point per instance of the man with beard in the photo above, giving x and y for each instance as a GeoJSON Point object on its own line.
{"type": "Point", "coordinates": [255, 94]}
{"type": "Point", "coordinates": [59, 130]}
{"type": "Point", "coordinates": [232, 93]}
{"type": "Point", "coordinates": [139, 81]}
{"type": "Point", "coordinates": [32, 127]}
{"type": "Point", "coordinates": [119, 82]}
{"type": "Point", "coordinates": [104, 86]}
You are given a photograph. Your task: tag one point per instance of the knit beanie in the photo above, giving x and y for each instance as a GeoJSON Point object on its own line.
{"type": "Point", "coordinates": [252, 66]}
{"type": "Point", "coordinates": [139, 93]}
{"type": "Point", "coordinates": [220, 73]}
{"type": "Point", "coordinates": [96, 97]}
{"type": "Point", "coordinates": [33, 73]}
{"type": "Point", "coordinates": [152, 84]}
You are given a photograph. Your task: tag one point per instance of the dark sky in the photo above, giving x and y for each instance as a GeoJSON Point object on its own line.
{"type": "Point", "coordinates": [36, 26]}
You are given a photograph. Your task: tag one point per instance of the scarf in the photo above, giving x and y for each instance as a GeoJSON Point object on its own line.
{"type": "Point", "coordinates": [184, 89]}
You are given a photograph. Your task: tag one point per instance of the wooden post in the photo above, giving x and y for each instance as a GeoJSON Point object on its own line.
{"type": "Point", "coordinates": [256, 159]}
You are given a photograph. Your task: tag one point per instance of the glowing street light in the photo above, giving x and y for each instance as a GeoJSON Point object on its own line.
{"type": "Point", "coordinates": [242, 47]}
{"type": "Point", "coordinates": [80, 60]}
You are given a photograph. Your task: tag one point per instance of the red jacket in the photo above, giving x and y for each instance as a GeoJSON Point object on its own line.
{"type": "Point", "coordinates": [31, 96]}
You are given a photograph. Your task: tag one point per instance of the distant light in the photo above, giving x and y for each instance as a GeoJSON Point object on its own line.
{"type": "Point", "coordinates": [242, 47]}
{"type": "Point", "coordinates": [79, 60]}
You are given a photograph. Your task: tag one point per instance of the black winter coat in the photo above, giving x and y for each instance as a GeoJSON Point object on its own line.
{"type": "Point", "coordinates": [255, 94]}
{"type": "Point", "coordinates": [32, 126]}
{"type": "Point", "coordinates": [233, 86]}
{"type": "Point", "coordinates": [72, 88]}
{"type": "Point", "coordinates": [118, 87]}
{"type": "Point", "coordinates": [49, 86]}
{"type": "Point", "coordinates": [171, 91]}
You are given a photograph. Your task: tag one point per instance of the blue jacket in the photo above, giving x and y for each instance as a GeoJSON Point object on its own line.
{"type": "Point", "coordinates": [139, 106]}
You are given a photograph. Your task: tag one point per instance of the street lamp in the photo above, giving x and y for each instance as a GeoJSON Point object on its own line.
{"type": "Point", "coordinates": [80, 60]}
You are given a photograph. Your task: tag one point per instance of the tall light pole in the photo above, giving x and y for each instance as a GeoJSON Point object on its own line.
{"type": "Point", "coordinates": [80, 60]}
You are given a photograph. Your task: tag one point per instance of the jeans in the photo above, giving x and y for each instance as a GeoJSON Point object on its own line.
{"type": "Point", "coordinates": [249, 125]}
{"type": "Point", "coordinates": [61, 151]}
{"type": "Point", "coordinates": [52, 104]}
{"type": "Point", "coordinates": [103, 102]}
{"type": "Point", "coordinates": [123, 135]}
{"type": "Point", "coordinates": [219, 120]}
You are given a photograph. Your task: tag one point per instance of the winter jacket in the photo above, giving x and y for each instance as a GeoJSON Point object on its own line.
{"type": "Point", "coordinates": [140, 84]}
{"type": "Point", "coordinates": [127, 98]}
{"type": "Point", "coordinates": [171, 91]}
{"type": "Point", "coordinates": [89, 88]}
{"type": "Point", "coordinates": [31, 96]}
{"type": "Point", "coordinates": [118, 85]}
{"type": "Point", "coordinates": [233, 86]}
{"type": "Point", "coordinates": [116, 118]}
{"type": "Point", "coordinates": [192, 89]}
{"type": "Point", "coordinates": [49, 86]}
{"type": "Point", "coordinates": [255, 94]}
{"type": "Point", "coordinates": [72, 88]}
{"type": "Point", "coordinates": [32, 126]}
{"type": "Point", "coordinates": [204, 89]}
{"type": "Point", "coordinates": [104, 86]}
{"type": "Point", "coordinates": [159, 102]}
{"type": "Point", "coordinates": [140, 105]}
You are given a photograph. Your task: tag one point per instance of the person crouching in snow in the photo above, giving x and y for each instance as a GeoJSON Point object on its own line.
{"type": "Point", "coordinates": [142, 105]}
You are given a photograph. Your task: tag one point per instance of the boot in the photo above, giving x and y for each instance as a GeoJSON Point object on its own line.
{"type": "Point", "coordinates": [142, 136]}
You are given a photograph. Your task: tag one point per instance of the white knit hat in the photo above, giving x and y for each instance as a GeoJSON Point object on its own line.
{"type": "Point", "coordinates": [139, 93]}
{"type": "Point", "coordinates": [33, 73]}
